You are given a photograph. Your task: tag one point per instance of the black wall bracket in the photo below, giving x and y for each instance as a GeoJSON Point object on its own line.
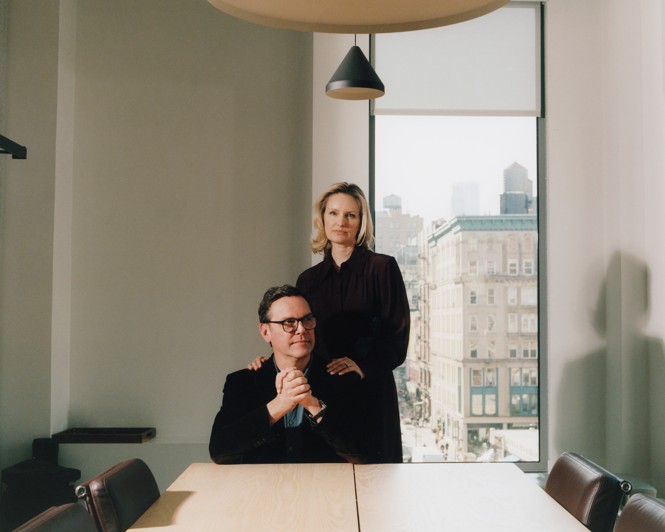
{"type": "Point", "coordinates": [16, 150]}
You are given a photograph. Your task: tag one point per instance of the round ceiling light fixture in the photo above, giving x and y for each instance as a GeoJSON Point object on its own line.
{"type": "Point", "coordinates": [357, 16]}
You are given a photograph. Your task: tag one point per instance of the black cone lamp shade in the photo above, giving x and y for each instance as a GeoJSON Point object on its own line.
{"type": "Point", "coordinates": [355, 79]}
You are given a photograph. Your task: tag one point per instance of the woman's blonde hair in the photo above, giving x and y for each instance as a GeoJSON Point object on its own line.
{"type": "Point", "coordinates": [365, 237]}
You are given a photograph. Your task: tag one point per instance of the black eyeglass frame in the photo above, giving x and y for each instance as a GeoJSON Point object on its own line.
{"type": "Point", "coordinates": [293, 323]}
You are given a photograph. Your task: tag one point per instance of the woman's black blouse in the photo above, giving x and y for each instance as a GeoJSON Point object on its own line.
{"type": "Point", "coordinates": [363, 313]}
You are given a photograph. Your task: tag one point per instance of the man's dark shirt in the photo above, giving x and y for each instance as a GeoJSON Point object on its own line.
{"type": "Point", "coordinates": [242, 433]}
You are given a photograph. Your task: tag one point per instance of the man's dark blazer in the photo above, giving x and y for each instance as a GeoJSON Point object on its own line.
{"type": "Point", "coordinates": [242, 433]}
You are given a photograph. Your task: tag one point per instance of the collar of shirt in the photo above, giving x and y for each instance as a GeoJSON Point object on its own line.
{"type": "Point", "coordinates": [355, 263]}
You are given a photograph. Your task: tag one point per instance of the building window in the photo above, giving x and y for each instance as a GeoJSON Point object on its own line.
{"type": "Point", "coordinates": [512, 323]}
{"type": "Point", "coordinates": [484, 392]}
{"type": "Point", "coordinates": [491, 297]}
{"type": "Point", "coordinates": [529, 296]}
{"type": "Point", "coordinates": [512, 267]}
{"type": "Point", "coordinates": [524, 391]}
{"type": "Point", "coordinates": [477, 404]}
{"type": "Point", "coordinates": [473, 267]}
{"type": "Point", "coordinates": [512, 244]}
{"type": "Point", "coordinates": [530, 350]}
{"type": "Point", "coordinates": [490, 404]}
{"type": "Point", "coordinates": [512, 350]}
{"type": "Point", "coordinates": [528, 267]}
{"type": "Point", "coordinates": [473, 297]}
{"type": "Point", "coordinates": [529, 323]}
{"type": "Point", "coordinates": [524, 404]}
{"type": "Point", "coordinates": [512, 296]}
{"type": "Point", "coordinates": [478, 242]}
{"type": "Point", "coordinates": [473, 324]}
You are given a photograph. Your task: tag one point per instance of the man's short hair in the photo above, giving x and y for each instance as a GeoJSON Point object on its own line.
{"type": "Point", "coordinates": [273, 294]}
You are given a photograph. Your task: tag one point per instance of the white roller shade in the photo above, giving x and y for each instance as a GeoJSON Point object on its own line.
{"type": "Point", "coordinates": [489, 66]}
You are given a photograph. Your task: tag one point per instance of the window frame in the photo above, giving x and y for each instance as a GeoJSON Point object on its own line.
{"type": "Point", "coordinates": [539, 267]}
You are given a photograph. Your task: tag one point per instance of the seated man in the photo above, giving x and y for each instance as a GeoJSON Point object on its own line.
{"type": "Point", "coordinates": [290, 410]}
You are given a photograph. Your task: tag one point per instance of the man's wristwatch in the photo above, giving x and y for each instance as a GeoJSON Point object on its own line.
{"type": "Point", "coordinates": [320, 413]}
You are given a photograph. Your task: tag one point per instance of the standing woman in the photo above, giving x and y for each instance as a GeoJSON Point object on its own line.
{"type": "Point", "coordinates": [362, 309]}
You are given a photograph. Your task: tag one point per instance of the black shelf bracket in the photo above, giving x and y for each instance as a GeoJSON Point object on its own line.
{"type": "Point", "coordinates": [16, 150]}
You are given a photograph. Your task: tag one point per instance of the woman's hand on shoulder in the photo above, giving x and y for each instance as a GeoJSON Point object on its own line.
{"type": "Point", "coordinates": [340, 366]}
{"type": "Point", "coordinates": [256, 364]}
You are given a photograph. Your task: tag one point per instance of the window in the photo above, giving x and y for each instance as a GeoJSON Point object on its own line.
{"type": "Point", "coordinates": [512, 296]}
{"type": "Point", "coordinates": [491, 349]}
{"type": "Point", "coordinates": [530, 349]}
{"type": "Point", "coordinates": [491, 297]}
{"type": "Point", "coordinates": [512, 350]}
{"type": "Point", "coordinates": [529, 323]}
{"type": "Point", "coordinates": [477, 219]}
{"type": "Point", "coordinates": [490, 404]}
{"type": "Point", "coordinates": [527, 267]}
{"type": "Point", "coordinates": [524, 391]}
{"type": "Point", "coordinates": [483, 392]}
{"type": "Point", "coordinates": [529, 296]}
{"type": "Point", "coordinates": [512, 267]}
{"type": "Point", "coordinates": [524, 404]}
{"type": "Point", "coordinates": [477, 404]}
{"type": "Point", "coordinates": [512, 323]}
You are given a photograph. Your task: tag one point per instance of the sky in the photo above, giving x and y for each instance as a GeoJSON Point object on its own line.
{"type": "Point", "coordinates": [419, 158]}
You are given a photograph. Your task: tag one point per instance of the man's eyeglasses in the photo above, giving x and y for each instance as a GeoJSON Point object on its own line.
{"type": "Point", "coordinates": [290, 325]}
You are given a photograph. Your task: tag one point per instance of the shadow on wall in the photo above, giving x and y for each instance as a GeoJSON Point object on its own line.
{"type": "Point", "coordinates": [611, 399]}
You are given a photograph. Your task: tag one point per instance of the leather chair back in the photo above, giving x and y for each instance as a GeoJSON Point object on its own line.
{"type": "Point", "coordinates": [586, 490]}
{"type": "Point", "coordinates": [117, 497]}
{"type": "Point", "coordinates": [65, 518]}
{"type": "Point", "coordinates": [642, 513]}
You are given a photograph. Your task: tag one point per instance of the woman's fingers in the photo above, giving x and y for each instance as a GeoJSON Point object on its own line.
{"type": "Point", "coordinates": [341, 366]}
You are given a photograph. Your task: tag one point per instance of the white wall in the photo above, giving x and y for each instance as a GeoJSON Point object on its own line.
{"type": "Point", "coordinates": [26, 237]}
{"type": "Point", "coordinates": [167, 185]}
{"type": "Point", "coordinates": [605, 189]}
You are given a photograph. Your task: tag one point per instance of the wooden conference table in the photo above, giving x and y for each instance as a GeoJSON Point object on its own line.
{"type": "Point", "coordinates": [368, 498]}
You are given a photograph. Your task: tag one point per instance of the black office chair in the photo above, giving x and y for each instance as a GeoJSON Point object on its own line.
{"type": "Point", "coordinates": [117, 497]}
{"type": "Point", "coordinates": [642, 513]}
{"type": "Point", "coordinates": [586, 490]}
{"type": "Point", "coordinates": [71, 517]}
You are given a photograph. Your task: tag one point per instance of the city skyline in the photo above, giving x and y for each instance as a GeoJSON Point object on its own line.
{"type": "Point", "coordinates": [422, 158]}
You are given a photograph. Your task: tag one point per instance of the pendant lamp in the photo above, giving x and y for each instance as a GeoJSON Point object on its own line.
{"type": "Point", "coordinates": [357, 16]}
{"type": "Point", "coordinates": [355, 79]}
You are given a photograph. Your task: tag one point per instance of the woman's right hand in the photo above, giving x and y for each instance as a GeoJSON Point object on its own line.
{"type": "Point", "coordinates": [340, 366]}
{"type": "Point", "coordinates": [256, 364]}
